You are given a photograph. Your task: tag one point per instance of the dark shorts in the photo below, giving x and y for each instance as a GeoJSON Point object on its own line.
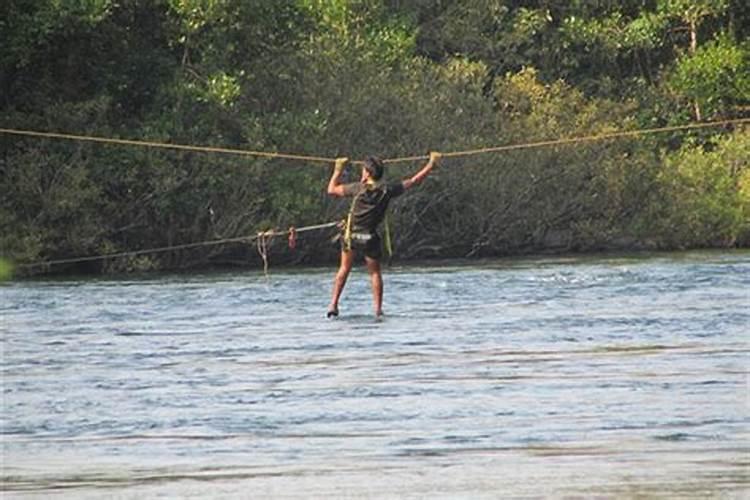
{"type": "Point", "coordinates": [372, 248]}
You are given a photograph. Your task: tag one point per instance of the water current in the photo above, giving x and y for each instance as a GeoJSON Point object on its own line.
{"type": "Point", "coordinates": [605, 377]}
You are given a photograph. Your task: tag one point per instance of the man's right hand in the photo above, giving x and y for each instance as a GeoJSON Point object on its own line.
{"type": "Point", "coordinates": [335, 188]}
{"type": "Point", "coordinates": [340, 165]}
{"type": "Point", "coordinates": [435, 157]}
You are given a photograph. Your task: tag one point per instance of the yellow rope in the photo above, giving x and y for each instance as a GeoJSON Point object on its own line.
{"type": "Point", "coordinates": [319, 159]}
{"type": "Point", "coordinates": [149, 144]}
{"type": "Point", "coordinates": [387, 243]}
{"type": "Point", "coordinates": [573, 140]}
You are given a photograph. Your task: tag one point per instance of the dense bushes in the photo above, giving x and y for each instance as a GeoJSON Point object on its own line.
{"type": "Point", "coordinates": [357, 77]}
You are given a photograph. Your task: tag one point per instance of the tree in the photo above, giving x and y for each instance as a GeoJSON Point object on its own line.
{"type": "Point", "coordinates": [704, 194]}
{"type": "Point", "coordinates": [716, 77]}
{"type": "Point", "coordinates": [691, 14]}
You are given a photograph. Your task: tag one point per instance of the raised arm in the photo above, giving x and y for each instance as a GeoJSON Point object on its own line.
{"type": "Point", "coordinates": [335, 188]}
{"type": "Point", "coordinates": [424, 172]}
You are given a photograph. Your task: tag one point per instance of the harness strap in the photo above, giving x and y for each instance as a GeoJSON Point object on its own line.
{"type": "Point", "coordinates": [387, 246]}
{"type": "Point", "coordinates": [350, 220]}
{"type": "Point", "coordinates": [348, 225]}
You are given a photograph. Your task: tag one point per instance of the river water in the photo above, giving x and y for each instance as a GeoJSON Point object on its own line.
{"type": "Point", "coordinates": [586, 377]}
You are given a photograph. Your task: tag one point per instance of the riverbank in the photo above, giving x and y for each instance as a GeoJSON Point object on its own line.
{"type": "Point", "coordinates": [281, 258]}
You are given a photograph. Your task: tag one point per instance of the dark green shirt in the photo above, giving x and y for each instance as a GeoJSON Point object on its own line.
{"type": "Point", "coordinates": [370, 203]}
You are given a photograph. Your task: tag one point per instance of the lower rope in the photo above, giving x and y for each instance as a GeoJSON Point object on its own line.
{"type": "Point", "coordinates": [263, 239]}
{"type": "Point", "coordinates": [197, 244]}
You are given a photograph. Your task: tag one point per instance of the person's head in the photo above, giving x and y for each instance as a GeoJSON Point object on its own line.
{"type": "Point", "coordinates": [374, 168]}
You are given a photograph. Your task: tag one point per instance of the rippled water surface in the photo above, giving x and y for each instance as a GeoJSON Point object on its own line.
{"type": "Point", "coordinates": [605, 377]}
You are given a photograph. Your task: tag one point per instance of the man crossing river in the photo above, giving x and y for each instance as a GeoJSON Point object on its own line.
{"type": "Point", "coordinates": [370, 199]}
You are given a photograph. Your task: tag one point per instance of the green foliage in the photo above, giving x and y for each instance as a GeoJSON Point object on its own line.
{"type": "Point", "coordinates": [6, 270]}
{"type": "Point", "coordinates": [360, 28]}
{"type": "Point", "coordinates": [692, 11]}
{"type": "Point", "coordinates": [644, 31]}
{"type": "Point", "coordinates": [705, 194]}
{"type": "Point", "coordinates": [717, 76]}
{"type": "Point", "coordinates": [196, 14]}
{"type": "Point", "coordinates": [359, 77]}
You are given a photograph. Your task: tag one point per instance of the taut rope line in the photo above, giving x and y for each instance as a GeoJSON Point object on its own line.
{"type": "Point", "coordinates": [573, 140]}
{"type": "Point", "coordinates": [320, 159]}
{"type": "Point", "coordinates": [166, 145]}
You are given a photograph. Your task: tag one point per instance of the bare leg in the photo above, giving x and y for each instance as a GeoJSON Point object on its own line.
{"type": "Point", "coordinates": [376, 279]}
{"type": "Point", "coordinates": [347, 259]}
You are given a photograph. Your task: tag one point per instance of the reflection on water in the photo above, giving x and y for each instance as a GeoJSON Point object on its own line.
{"type": "Point", "coordinates": [622, 377]}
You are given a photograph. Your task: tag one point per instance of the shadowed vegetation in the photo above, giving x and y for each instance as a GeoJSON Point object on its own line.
{"type": "Point", "coordinates": [359, 77]}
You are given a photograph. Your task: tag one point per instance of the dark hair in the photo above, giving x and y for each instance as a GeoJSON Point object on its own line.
{"type": "Point", "coordinates": [374, 165]}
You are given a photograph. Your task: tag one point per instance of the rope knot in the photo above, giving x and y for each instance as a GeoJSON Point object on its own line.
{"type": "Point", "coordinates": [262, 241]}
